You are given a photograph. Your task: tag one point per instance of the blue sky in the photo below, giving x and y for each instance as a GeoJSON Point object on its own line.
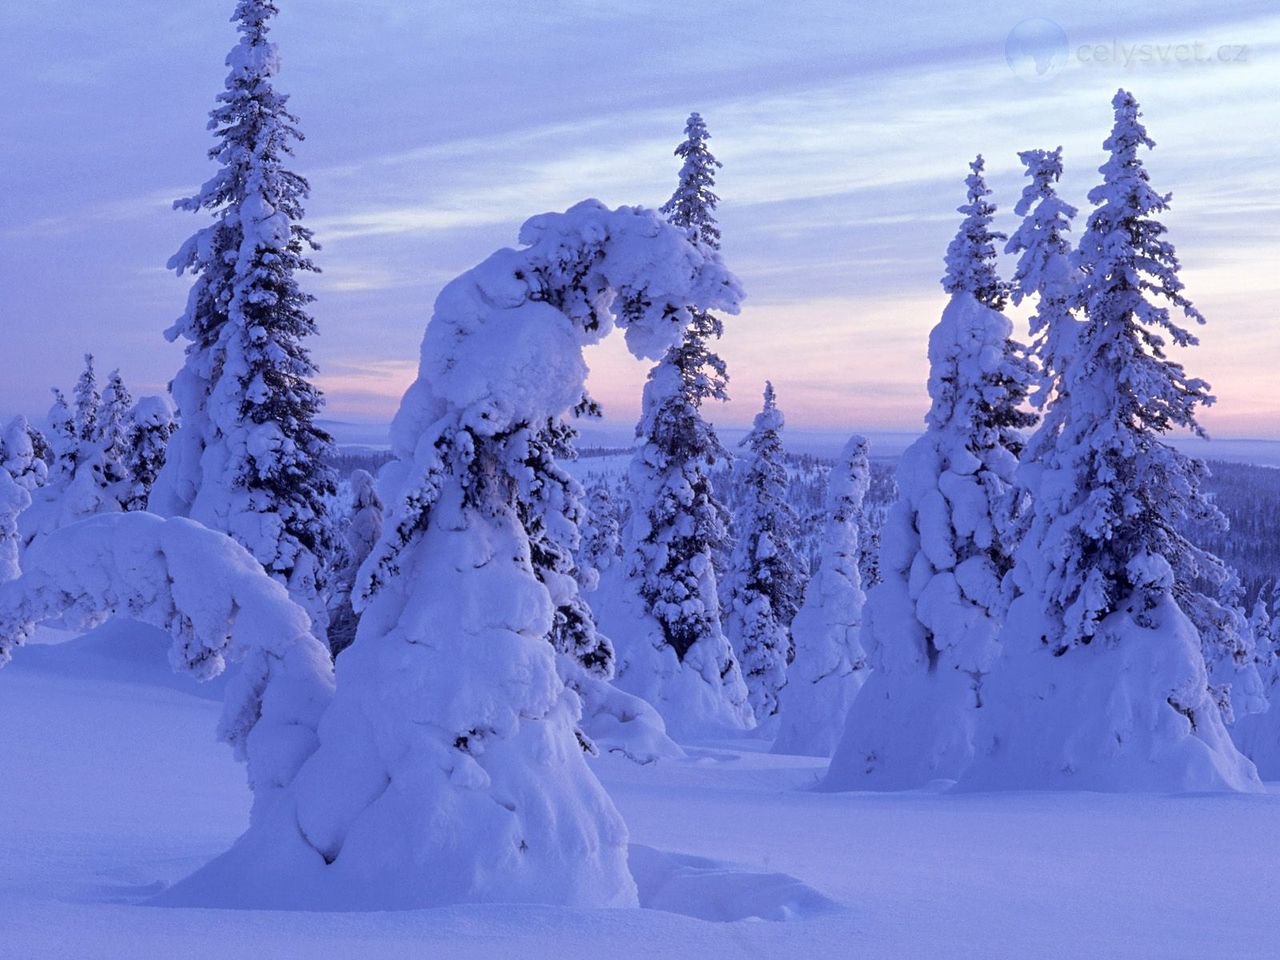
{"type": "Point", "coordinates": [433, 129]}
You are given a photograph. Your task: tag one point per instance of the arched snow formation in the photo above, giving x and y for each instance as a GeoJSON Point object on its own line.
{"type": "Point", "coordinates": [448, 769]}
{"type": "Point", "coordinates": [213, 598]}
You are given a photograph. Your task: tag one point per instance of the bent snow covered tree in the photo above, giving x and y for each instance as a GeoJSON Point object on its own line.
{"type": "Point", "coordinates": [216, 602]}
{"type": "Point", "coordinates": [448, 769]}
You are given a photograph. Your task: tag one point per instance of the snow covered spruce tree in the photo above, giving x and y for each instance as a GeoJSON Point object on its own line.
{"type": "Point", "coordinates": [766, 578]}
{"type": "Point", "coordinates": [448, 769]}
{"type": "Point", "coordinates": [601, 539]}
{"type": "Point", "coordinates": [89, 476]}
{"type": "Point", "coordinates": [672, 650]}
{"type": "Point", "coordinates": [830, 664]}
{"type": "Point", "coordinates": [22, 451]}
{"type": "Point", "coordinates": [248, 458]}
{"type": "Point", "coordinates": [115, 414]}
{"type": "Point", "coordinates": [1045, 274]}
{"type": "Point", "coordinates": [87, 400]}
{"type": "Point", "coordinates": [549, 503]}
{"type": "Point", "coordinates": [151, 424]}
{"type": "Point", "coordinates": [362, 532]}
{"type": "Point", "coordinates": [1103, 683]}
{"type": "Point", "coordinates": [931, 625]}
{"type": "Point", "coordinates": [14, 498]}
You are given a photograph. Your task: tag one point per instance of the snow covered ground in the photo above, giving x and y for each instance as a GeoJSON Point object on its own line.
{"type": "Point", "coordinates": [113, 787]}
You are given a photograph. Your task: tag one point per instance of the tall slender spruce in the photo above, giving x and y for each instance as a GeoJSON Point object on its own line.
{"type": "Point", "coordinates": [248, 457]}
{"type": "Point", "coordinates": [677, 524]}
{"type": "Point", "coordinates": [766, 577]}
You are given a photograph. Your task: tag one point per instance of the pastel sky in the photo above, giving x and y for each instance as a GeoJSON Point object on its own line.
{"type": "Point", "coordinates": [435, 128]}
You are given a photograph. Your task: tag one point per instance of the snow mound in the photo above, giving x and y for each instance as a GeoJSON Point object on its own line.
{"type": "Point", "coordinates": [1257, 736]}
{"type": "Point", "coordinates": [622, 723]}
{"type": "Point", "coordinates": [1134, 713]}
{"type": "Point", "coordinates": [718, 891]}
{"type": "Point", "coordinates": [122, 650]}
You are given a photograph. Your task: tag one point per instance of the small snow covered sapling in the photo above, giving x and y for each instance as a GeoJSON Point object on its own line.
{"type": "Point", "coordinates": [766, 577]}
{"type": "Point", "coordinates": [830, 664]}
{"type": "Point", "coordinates": [931, 624]}
{"type": "Point", "coordinates": [601, 537]}
{"type": "Point", "coordinates": [249, 458]}
{"type": "Point", "coordinates": [151, 424]}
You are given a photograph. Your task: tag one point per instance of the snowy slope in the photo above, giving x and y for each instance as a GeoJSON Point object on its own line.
{"type": "Point", "coordinates": [112, 788]}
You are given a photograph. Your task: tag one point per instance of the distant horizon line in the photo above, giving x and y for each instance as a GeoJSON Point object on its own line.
{"type": "Point", "coordinates": [799, 428]}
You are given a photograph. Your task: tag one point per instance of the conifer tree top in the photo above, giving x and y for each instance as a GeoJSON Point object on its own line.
{"type": "Point", "coordinates": [694, 203]}
{"type": "Point", "coordinates": [971, 256]}
{"type": "Point", "coordinates": [1124, 258]}
{"type": "Point", "coordinates": [1040, 238]}
{"type": "Point", "coordinates": [254, 131]}
{"type": "Point", "coordinates": [770, 417]}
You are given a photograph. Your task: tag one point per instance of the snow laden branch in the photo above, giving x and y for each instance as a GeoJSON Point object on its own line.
{"type": "Point", "coordinates": [448, 768]}
{"type": "Point", "coordinates": [213, 599]}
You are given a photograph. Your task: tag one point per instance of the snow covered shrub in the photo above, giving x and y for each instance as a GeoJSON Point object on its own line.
{"type": "Point", "coordinates": [830, 665]}
{"type": "Point", "coordinates": [248, 458]}
{"type": "Point", "coordinates": [766, 577]}
{"type": "Point", "coordinates": [448, 768]}
{"type": "Point", "coordinates": [931, 625]}
{"type": "Point", "coordinates": [1227, 642]}
{"type": "Point", "coordinates": [1103, 683]}
{"type": "Point", "coordinates": [671, 647]}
